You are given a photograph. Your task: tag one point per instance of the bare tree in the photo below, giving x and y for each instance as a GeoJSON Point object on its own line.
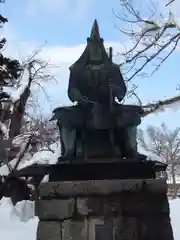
{"type": "Point", "coordinates": [14, 105]}
{"type": "Point", "coordinates": [152, 40]}
{"type": "Point", "coordinates": [34, 73]}
{"type": "Point", "coordinates": [27, 137]}
{"type": "Point", "coordinates": [164, 143]}
{"type": "Point", "coordinates": [44, 132]}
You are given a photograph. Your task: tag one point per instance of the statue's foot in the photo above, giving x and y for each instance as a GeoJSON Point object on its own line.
{"type": "Point", "coordinates": [66, 157]}
{"type": "Point", "coordinates": [135, 156]}
{"type": "Point", "coordinates": [114, 153]}
{"type": "Point", "coordinates": [141, 157]}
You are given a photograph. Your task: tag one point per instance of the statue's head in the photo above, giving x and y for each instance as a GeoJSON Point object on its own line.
{"type": "Point", "coordinates": [95, 43]}
{"type": "Point", "coordinates": [95, 51]}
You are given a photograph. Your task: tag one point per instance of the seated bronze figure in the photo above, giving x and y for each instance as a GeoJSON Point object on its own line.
{"type": "Point", "coordinates": [98, 125]}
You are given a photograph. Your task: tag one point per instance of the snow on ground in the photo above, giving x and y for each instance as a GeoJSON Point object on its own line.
{"type": "Point", "coordinates": [175, 217]}
{"type": "Point", "coordinates": [19, 222]}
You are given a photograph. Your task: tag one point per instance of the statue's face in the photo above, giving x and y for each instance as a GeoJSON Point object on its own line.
{"type": "Point", "coordinates": [95, 51]}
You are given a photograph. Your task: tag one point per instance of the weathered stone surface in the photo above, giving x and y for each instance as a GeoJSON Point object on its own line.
{"type": "Point", "coordinates": [165, 224]}
{"type": "Point", "coordinates": [82, 206]}
{"type": "Point", "coordinates": [74, 230]}
{"type": "Point", "coordinates": [54, 209]}
{"type": "Point", "coordinates": [99, 206]}
{"type": "Point", "coordinates": [100, 229]}
{"type": "Point", "coordinates": [151, 227]}
{"type": "Point", "coordinates": [144, 204]}
{"type": "Point", "coordinates": [127, 204]}
{"type": "Point", "coordinates": [48, 231]}
{"type": "Point", "coordinates": [126, 228]}
{"type": "Point", "coordinates": [100, 187]}
{"type": "Point", "coordinates": [137, 211]}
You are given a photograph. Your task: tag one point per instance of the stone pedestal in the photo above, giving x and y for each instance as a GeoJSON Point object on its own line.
{"type": "Point", "coordinates": [104, 209]}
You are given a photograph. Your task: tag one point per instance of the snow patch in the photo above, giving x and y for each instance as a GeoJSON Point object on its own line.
{"type": "Point", "coordinates": [44, 156]}
{"type": "Point", "coordinates": [150, 156]}
{"type": "Point", "coordinates": [175, 213]}
{"type": "Point", "coordinates": [24, 81]}
{"type": "Point", "coordinates": [17, 223]}
{"type": "Point", "coordinates": [25, 210]}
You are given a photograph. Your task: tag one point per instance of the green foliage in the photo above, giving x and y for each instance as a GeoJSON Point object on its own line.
{"type": "Point", "coordinates": [10, 69]}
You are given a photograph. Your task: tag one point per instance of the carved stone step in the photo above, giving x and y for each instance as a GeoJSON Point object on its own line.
{"type": "Point", "coordinates": [100, 187]}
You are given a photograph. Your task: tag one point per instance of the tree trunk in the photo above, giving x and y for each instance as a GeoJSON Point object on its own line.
{"type": "Point", "coordinates": [18, 113]}
{"type": "Point", "coordinates": [174, 180]}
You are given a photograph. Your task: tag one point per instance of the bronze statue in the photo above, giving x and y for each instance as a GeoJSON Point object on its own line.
{"type": "Point", "coordinates": [98, 125]}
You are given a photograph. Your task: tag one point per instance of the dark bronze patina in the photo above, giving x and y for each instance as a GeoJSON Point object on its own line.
{"type": "Point", "coordinates": [98, 125]}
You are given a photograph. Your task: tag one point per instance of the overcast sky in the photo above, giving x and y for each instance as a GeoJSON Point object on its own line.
{"type": "Point", "coordinates": [65, 26]}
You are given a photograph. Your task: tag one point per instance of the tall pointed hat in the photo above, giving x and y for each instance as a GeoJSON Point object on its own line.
{"type": "Point", "coordinates": [95, 32]}
{"type": "Point", "coordinates": [94, 37]}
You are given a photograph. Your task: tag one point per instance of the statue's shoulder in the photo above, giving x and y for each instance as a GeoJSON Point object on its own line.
{"type": "Point", "coordinates": [75, 69]}
{"type": "Point", "coordinates": [115, 67]}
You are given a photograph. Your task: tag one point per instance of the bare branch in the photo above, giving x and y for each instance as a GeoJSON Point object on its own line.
{"type": "Point", "coordinates": [151, 38]}
{"type": "Point", "coordinates": [170, 2]}
{"type": "Point", "coordinates": [22, 152]}
{"type": "Point", "coordinates": [164, 143]}
{"type": "Point", "coordinates": [152, 57]}
{"type": "Point", "coordinates": [154, 107]}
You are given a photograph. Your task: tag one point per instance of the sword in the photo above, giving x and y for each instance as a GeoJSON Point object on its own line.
{"type": "Point", "coordinates": [111, 116]}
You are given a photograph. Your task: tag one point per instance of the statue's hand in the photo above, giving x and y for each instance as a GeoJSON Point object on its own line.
{"type": "Point", "coordinates": [84, 100]}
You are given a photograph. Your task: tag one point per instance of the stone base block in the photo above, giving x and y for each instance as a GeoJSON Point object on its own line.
{"type": "Point", "coordinates": [49, 231]}
{"type": "Point", "coordinates": [100, 210]}
{"type": "Point", "coordinates": [100, 187]}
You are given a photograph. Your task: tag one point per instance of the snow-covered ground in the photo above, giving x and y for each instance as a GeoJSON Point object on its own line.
{"type": "Point", "coordinates": [175, 217]}
{"type": "Point", "coordinates": [19, 222]}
